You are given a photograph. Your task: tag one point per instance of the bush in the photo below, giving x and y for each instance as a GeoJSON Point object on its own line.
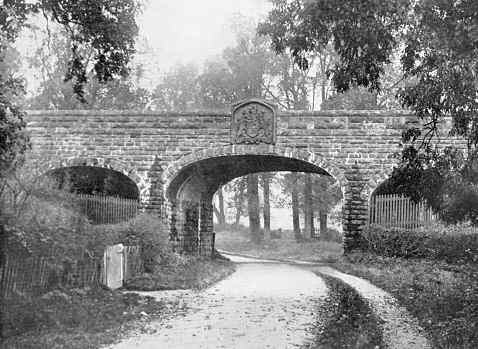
{"type": "Point", "coordinates": [448, 243]}
{"type": "Point", "coordinates": [146, 231]}
{"type": "Point", "coordinates": [331, 235]}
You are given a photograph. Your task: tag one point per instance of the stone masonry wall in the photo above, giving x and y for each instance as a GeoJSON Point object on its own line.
{"type": "Point", "coordinates": [360, 145]}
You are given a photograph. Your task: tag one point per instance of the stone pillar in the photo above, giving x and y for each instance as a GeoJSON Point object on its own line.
{"type": "Point", "coordinates": [172, 211]}
{"type": "Point", "coordinates": [155, 197]}
{"type": "Point", "coordinates": [354, 211]}
{"type": "Point", "coordinates": [206, 226]}
{"type": "Point", "coordinates": [190, 226]}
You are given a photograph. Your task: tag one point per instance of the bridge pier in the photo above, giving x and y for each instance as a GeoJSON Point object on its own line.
{"type": "Point", "coordinates": [191, 224]}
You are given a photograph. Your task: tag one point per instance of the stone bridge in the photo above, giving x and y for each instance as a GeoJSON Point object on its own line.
{"type": "Point", "coordinates": [179, 160]}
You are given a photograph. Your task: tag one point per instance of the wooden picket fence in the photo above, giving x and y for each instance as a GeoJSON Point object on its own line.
{"type": "Point", "coordinates": [29, 275]}
{"type": "Point", "coordinates": [395, 210]}
{"type": "Point", "coordinates": [107, 209]}
{"type": "Point", "coordinates": [23, 274]}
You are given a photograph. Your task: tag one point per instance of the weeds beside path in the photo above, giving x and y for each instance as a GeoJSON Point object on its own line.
{"type": "Point", "coordinates": [443, 297]}
{"type": "Point", "coordinates": [78, 318]}
{"type": "Point", "coordinates": [345, 320]}
{"type": "Point", "coordinates": [191, 273]}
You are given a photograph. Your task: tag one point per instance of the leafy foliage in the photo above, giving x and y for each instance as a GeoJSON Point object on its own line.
{"type": "Point", "coordinates": [451, 244]}
{"type": "Point", "coordinates": [354, 99]}
{"type": "Point", "coordinates": [52, 59]}
{"type": "Point", "coordinates": [363, 35]}
{"type": "Point", "coordinates": [437, 44]}
{"type": "Point", "coordinates": [105, 28]}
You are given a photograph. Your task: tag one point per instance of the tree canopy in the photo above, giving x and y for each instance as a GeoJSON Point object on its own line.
{"type": "Point", "coordinates": [437, 44]}
{"type": "Point", "coordinates": [101, 40]}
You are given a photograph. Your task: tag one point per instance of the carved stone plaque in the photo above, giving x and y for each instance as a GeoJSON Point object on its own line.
{"type": "Point", "coordinates": [253, 122]}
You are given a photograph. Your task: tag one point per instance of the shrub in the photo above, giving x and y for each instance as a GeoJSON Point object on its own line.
{"type": "Point", "coordinates": [331, 235]}
{"type": "Point", "coordinates": [452, 243]}
{"type": "Point", "coordinates": [146, 231]}
{"type": "Point", "coordinates": [41, 217]}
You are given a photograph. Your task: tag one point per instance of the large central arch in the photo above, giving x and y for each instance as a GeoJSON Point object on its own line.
{"type": "Point", "coordinates": [191, 181]}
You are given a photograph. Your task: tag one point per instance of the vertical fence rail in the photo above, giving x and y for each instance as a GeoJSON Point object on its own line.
{"type": "Point", "coordinates": [107, 209]}
{"type": "Point", "coordinates": [394, 210]}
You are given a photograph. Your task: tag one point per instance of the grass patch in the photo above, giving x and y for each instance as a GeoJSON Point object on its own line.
{"type": "Point", "coordinates": [187, 272]}
{"type": "Point", "coordinates": [238, 241]}
{"type": "Point", "coordinates": [442, 296]}
{"type": "Point", "coordinates": [345, 320]}
{"type": "Point", "coordinates": [77, 318]}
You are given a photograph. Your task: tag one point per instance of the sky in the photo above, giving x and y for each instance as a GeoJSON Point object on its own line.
{"type": "Point", "coordinates": [183, 31]}
{"type": "Point", "coordinates": [174, 31]}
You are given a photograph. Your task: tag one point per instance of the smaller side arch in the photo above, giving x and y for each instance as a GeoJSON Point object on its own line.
{"type": "Point", "coordinates": [141, 181]}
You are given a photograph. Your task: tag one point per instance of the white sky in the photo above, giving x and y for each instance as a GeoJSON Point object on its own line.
{"type": "Point", "coordinates": [192, 30]}
{"type": "Point", "coordinates": [176, 31]}
{"type": "Point", "coordinates": [183, 31]}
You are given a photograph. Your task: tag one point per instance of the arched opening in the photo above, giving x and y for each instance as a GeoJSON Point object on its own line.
{"type": "Point", "coordinates": [191, 191]}
{"type": "Point", "coordinates": [95, 180]}
{"type": "Point", "coordinates": [104, 195]}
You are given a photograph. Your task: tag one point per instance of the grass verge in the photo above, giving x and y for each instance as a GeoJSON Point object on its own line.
{"type": "Point", "coordinates": [284, 248]}
{"type": "Point", "coordinates": [77, 318]}
{"type": "Point", "coordinates": [442, 296]}
{"type": "Point", "coordinates": [344, 320]}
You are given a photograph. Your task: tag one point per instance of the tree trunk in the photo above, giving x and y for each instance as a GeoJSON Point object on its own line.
{"type": "Point", "coordinates": [3, 244]}
{"type": "Point", "coordinates": [308, 209]}
{"type": "Point", "coordinates": [238, 199]}
{"type": "Point", "coordinates": [222, 216]}
{"type": "Point", "coordinates": [323, 222]}
{"type": "Point", "coordinates": [267, 206]}
{"type": "Point", "coordinates": [295, 208]}
{"type": "Point", "coordinates": [238, 215]}
{"type": "Point", "coordinates": [253, 207]}
{"type": "Point", "coordinates": [217, 213]}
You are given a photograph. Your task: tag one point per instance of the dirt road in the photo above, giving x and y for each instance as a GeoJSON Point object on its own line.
{"type": "Point", "coordinates": [262, 305]}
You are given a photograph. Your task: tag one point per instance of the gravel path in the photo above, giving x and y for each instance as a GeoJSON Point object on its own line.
{"type": "Point", "coordinates": [261, 305]}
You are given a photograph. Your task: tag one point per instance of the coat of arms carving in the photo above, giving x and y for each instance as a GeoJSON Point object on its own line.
{"type": "Point", "coordinates": [253, 122]}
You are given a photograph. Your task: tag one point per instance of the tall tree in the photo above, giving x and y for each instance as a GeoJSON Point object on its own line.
{"type": "Point", "coordinates": [253, 207]}
{"type": "Point", "coordinates": [217, 86]}
{"type": "Point", "coordinates": [219, 211]}
{"type": "Point", "coordinates": [238, 188]}
{"type": "Point", "coordinates": [290, 188]}
{"type": "Point", "coordinates": [308, 206]}
{"type": "Point", "coordinates": [437, 44]}
{"type": "Point", "coordinates": [266, 182]}
{"type": "Point", "coordinates": [293, 177]}
{"type": "Point", "coordinates": [325, 194]}
{"type": "Point", "coordinates": [178, 89]}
